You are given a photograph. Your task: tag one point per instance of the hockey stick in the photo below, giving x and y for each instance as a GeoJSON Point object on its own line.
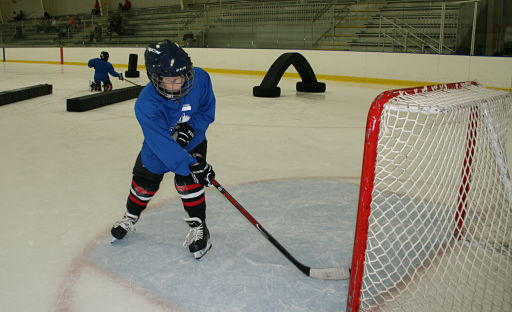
{"type": "Point", "coordinates": [339, 273]}
{"type": "Point", "coordinates": [133, 83]}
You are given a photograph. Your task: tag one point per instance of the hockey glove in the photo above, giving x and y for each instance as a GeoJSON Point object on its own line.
{"type": "Point", "coordinates": [183, 134]}
{"type": "Point", "coordinates": [202, 172]}
{"type": "Point", "coordinates": [121, 76]}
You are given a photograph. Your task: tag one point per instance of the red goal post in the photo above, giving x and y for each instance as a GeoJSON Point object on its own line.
{"type": "Point", "coordinates": [435, 202]}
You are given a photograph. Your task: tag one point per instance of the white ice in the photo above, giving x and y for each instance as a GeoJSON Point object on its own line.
{"type": "Point", "coordinates": [64, 179]}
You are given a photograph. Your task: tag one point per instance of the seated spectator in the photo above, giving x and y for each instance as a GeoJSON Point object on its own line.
{"type": "Point", "coordinates": [47, 16]}
{"type": "Point", "coordinates": [127, 5]}
{"type": "Point", "coordinates": [17, 16]}
{"type": "Point", "coordinates": [47, 25]}
{"type": "Point", "coordinates": [96, 10]}
{"type": "Point", "coordinates": [53, 24]}
{"type": "Point", "coordinates": [119, 6]}
{"type": "Point", "coordinates": [70, 23]}
{"type": "Point", "coordinates": [43, 25]}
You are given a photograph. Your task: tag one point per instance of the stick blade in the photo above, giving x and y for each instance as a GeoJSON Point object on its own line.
{"type": "Point", "coordinates": [330, 273]}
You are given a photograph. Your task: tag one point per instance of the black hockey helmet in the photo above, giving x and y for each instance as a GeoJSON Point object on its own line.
{"type": "Point", "coordinates": [104, 55]}
{"type": "Point", "coordinates": [167, 59]}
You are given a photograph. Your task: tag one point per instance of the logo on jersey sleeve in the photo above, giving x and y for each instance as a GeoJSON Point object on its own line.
{"type": "Point", "coordinates": [184, 118]}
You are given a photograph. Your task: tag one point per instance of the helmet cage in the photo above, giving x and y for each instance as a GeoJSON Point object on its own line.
{"type": "Point", "coordinates": [173, 94]}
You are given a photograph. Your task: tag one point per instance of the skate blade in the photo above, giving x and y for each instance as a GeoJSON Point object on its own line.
{"type": "Point", "coordinates": [199, 254]}
{"type": "Point", "coordinates": [113, 240]}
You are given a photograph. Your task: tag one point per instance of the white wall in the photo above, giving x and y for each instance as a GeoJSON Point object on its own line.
{"type": "Point", "coordinates": [32, 54]}
{"type": "Point", "coordinates": [67, 7]}
{"type": "Point", "coordinates": [30, 8]}
{"type": "Point", "coordinates": [489, 71]}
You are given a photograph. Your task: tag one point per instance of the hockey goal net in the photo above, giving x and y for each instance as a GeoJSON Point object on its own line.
{"type": "Point", "coordinates": [434, 224]}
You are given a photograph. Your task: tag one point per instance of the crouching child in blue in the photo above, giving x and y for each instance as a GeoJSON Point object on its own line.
{"type": "Point", "coordinates": [102, 67]}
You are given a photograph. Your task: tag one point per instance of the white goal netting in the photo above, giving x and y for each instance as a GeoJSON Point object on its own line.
{"type": "Point", "coordinates": [440, 219]}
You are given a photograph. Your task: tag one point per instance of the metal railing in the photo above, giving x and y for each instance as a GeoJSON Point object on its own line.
{"type": "Point", "coordinates": [283, 24]}
{"type": "Point", "coordinates": [411, 36]}
{"type": "Point", "coordinates": [335, 16]}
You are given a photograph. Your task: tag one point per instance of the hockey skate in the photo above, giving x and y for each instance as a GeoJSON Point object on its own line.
{"type": "Point", "coordinates": [106, 87]}
{"type": "Point", "coordinates": [121, 227]}
{"type": "Point", "coordinates": [198, 238]}
{"type": "Point", "coordinates": [95, 86]}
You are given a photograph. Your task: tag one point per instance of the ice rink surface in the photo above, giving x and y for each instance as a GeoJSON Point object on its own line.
{"type": "Point", "coordinates": [294, 163]}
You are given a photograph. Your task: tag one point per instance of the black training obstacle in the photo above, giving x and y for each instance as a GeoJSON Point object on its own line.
{"type": "Point", "coordinates": [269, 88]}
{"type": "Point", "coordinates": [17, 95]}
{"type": "Point", "coordinates": [88, 102]}
{"type": "Point", "coordinates": [132, 71]}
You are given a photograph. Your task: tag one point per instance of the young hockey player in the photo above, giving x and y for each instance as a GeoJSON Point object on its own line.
{"type": "Point", "coordinates": [102, 67]}
{"type": "Point", "coordinates": [174, 111]}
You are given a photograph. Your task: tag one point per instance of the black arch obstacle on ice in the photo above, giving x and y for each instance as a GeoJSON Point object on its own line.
{"type": "Point", "coordinates": [17, 95]}
{"type": "Point", "coordinates": [269, 88]}
{"type": "Point", "coordinates": [88, 102]}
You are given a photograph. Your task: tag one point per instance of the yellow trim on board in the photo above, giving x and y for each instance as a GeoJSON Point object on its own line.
{"type": "Point", "coordinates": [31, 62]}
{"type": "Point", "coordinates": [324, 77]}
{"type": "Point", "coordinates": [237, 71]}
{"type": "Point", "coordinates": [504, 89]}
{"type": "Point", "coordinates": [406, 83]}
{"type": "Point", "coordinates": [75, 63]}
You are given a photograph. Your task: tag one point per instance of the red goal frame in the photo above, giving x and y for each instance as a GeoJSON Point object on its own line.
{"type": "Point", "coordinates": [368, 176]}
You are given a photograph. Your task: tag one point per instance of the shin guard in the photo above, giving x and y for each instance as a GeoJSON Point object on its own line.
{"type": "Point", "coordinates": [192, 197]}
{"type": "Point", "coordinates": [141, 192]}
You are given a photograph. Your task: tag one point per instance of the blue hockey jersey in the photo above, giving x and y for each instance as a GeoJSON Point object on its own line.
{"type": "Point", "coordinates": [158, 116]}
{"type": "Point", "coordinates": [102, 69]}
